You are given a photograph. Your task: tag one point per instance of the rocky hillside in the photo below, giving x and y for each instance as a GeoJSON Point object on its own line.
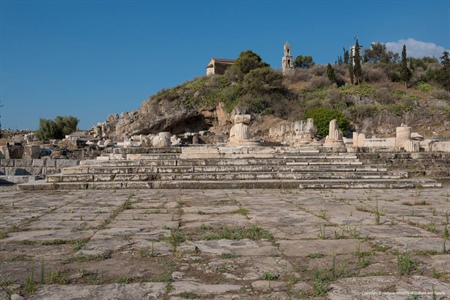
{"type": "Point", "coordinates": [375, 107]}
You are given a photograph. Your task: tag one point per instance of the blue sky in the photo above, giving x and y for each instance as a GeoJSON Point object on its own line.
{"type": "Point", "coordinates": [90, 59]}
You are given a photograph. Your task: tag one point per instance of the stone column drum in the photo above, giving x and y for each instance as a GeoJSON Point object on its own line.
{"type": "Point", "coordinates": [403, 134]}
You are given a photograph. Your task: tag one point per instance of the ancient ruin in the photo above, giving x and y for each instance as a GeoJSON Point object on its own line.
{"type": "Point", "coordinates": [334, 138]}
{"type": "Point", "coordinates": [239, 133]}
{"type": "Point", "coordinates": [299, 133]}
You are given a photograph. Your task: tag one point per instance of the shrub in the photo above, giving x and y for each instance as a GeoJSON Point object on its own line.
{"type": "Point", "coordinates": [363, 89]}
{"type": "Point", "coordinates": [384, 96]}
{"type": "Point", "coordinates": [363, 111]}
{"type": "Point", "coordinates": [373, 75]}
{"type": "Point", "coordinates": [319, 82]}
{"type": "Point", "coordinates": [301, 75]}
{"type": "Point", "coordinates": [424, 87]}
{"type": "Point", "coordinates": [322, 117]}
{"type": "Point", "coordinates": [441, 94]}
{"type": "Point", "coordinates": [319, 70]}
{"type": "Point", "coordinates": [57, 129]}
{"type": "Point", "coordinates": [262, 80]}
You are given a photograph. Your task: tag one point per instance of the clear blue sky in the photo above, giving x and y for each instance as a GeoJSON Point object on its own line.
{"type": "Point", "coordinates": [90, 59]}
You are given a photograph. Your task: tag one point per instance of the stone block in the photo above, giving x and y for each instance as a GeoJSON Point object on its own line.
{"type": "Point", "coordinates": [31, 151]}
{"type": "Point", "coordinates": [440, 146]}
{"type": "Point", "coordinates": [22, 171]}
{"type": "Point", "coordinates": [23, 163]}
{"type": "Point", "coordinates": [38, 162]}
{"type": "Point", "coordinates": [61, 163]}
{"type": "Point", "coordinates": [38, 170]}
{"type": "Point", "coordinates": [50, 162]}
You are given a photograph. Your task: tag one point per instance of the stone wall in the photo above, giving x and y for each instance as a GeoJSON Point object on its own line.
{"type": "Point", "coordinates": [430, 164]}
{"type": "Point", "coordinates": [34, 167]}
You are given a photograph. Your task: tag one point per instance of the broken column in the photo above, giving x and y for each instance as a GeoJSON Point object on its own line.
{"type": "Point", "coordinates": [239, 133]}
{"type": "Point", "coordinates": [162, 140]}
{"type": "Point", "coordinates": [403, 134]}
{"type": "Point", "coordinates": [334, 138]}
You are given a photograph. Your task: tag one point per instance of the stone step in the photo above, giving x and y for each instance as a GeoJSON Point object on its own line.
{"type": "Point", "coordinates": [147, 150]}
{"type": "Point", "coordinates": [238, 184]}
{"type": "Point", "coordinates": [273, 175]}
{"type": "Point", "coordinates": [268, 168]}
{"type": "Point", "coordinates": [218, 168]}
{"type": "Point", "coordinates": [220, 176]}
{"type": "Point", "coordinates": [217, 161]}
{"type": "Point", "coordinates": [127, 163]}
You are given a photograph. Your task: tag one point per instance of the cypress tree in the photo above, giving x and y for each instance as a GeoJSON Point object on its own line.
{"type": "Point", "coordinates": [331, 74]}
{"type": "Point", "coordinates": [357, 69]}
{"type": "Point", "coordinates": [405, 73]}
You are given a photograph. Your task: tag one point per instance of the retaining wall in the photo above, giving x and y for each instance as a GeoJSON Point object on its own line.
{"type": "Point", "coordinates": [10, 168]}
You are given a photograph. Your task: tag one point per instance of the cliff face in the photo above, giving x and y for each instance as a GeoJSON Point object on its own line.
{"type": "Point", "coordinates": [153, 117]}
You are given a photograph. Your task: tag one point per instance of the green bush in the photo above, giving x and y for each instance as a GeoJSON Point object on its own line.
{"type": "Point", "coordinates": [424, 87]}
{"type": "Point", "coordinates": [362, 89]}
{"type": "Point", "coordinates": [363, 111]}
{"type": "Point", "coordinates": [322, 117]}
{"type": "Point", "coordinates": [57, 129]}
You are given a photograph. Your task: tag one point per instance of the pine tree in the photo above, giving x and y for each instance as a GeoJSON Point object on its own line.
{"type": "Point", "coordinates": [405, 73]}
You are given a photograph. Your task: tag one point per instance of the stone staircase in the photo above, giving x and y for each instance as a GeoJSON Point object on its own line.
{"type": "Point", "coordinates": [210, 167]}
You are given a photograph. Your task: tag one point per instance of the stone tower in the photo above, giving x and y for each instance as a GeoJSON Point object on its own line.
{"type": "Point", "coordinates": [287, 63]}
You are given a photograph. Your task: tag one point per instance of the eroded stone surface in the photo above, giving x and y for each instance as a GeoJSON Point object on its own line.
{"type": "Point", "coordinates": [224, 244]}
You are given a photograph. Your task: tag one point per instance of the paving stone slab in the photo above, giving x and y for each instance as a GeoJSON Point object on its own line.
{"type": "Point", "coordinates": [327, 247]}
{"type": "Point", "coordinates": [243, 247]}
{"type": "Point", "coordinates": [413, 243]}
{"type": "Point", "coordinates": [388, 288]}
{"type": "Point", "coordinates": [47, 235]}
{"type": "Point", "coordinates": [202, 289]}
{"type": "Point", "coordinates": [392, 231]}
{"type": "Point", "coordinates": [145, 290]}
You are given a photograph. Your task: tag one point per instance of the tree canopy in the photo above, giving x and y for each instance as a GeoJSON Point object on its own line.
{"type": "Point", "coordinates": [56, 129]}
{"type": "Point", "coordinates": [247, 61]}
{"type": "Point", "coordinates": [322, 117]}
{"type": "Point", "coordinates": [304, 62]}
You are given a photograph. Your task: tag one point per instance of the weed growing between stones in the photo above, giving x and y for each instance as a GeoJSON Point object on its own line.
{"type": "Point", "coordinates": [315, 255]}
{"type": "Point", "coordinates": [436, 274]}
{"type": "Point", "coordinates": [323, 214]}
{"type": "Point", "coordinates": [84, 258]}
{"type": "Point", "coordinates": [378, 214]}
{"type": "Point", "coordinates": [241, 211]}
{"type": "Point", "coordinates": [405, 263]}
{"type": "Point", "coordinates": [252, 233]}
{"type": "Point", "coordinates": [125, 280]}
{"type": "Point", "coordinates": [422, 202]}
{"type": "Point", "coordinates": [431, 227]}
{"type": "Point", "coordinates": [188, 295]}
{"type": "Point", "coordinates": [319, 284]}
{"type": "Point", "coordinates": [145, 253]}
{"type": "Point", "coordinates": [322, 235]}
{"type": "Point", "coordinates": [205, 227]}
{"type": "Point", "coordinates": [30, 285]}
{"type": "Point", "coordinates": [228, 256]}
{"type": "Point", "coordinates": [269, 276]}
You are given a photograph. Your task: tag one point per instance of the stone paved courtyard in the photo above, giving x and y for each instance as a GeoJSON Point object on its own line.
{"type": "Point", "coordinates": [225, 244]}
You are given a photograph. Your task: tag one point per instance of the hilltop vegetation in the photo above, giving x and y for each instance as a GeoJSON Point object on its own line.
{"type": "Point", "coordinates": [374, 97]}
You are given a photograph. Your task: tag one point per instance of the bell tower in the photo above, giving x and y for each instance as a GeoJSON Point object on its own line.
{"type": "Point", "coordinates": [287, 62]}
